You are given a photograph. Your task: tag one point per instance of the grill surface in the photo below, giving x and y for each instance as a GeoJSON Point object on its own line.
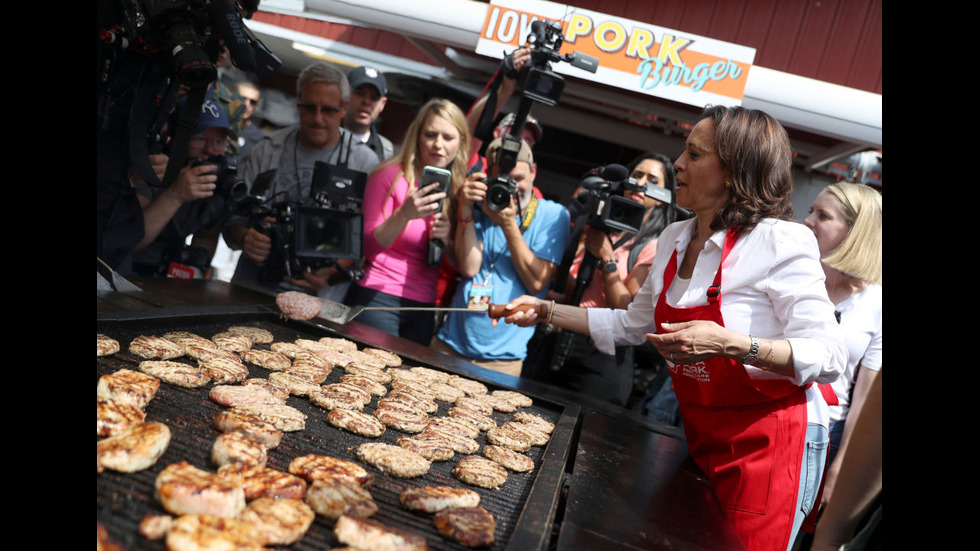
{"type": "Point", "coordinates": [522, 507]}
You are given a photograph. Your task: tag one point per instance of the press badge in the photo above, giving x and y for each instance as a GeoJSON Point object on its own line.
{"type": "Point", "coordinates": [479, 298]}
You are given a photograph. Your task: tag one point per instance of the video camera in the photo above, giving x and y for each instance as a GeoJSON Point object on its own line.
{"type": "Point", "coordinates": [538, 84]}
{"type": "Point", "coordinates": [314, 233]}
{"type": "Point", "coordinates": [175, 28]}
{"type": "Point", "coordinates": [603, 200]}
{"type": "Point", "coordinates": [174, 44]}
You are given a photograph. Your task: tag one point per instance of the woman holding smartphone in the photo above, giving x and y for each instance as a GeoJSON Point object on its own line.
{"type": "Point", "coordinates": [402, 216]}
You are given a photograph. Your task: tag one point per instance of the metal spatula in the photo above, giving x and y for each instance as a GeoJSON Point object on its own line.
{"type": "Point", "coordinates": [119, 283]}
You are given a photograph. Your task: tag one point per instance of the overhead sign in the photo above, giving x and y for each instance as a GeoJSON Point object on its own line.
{"type": "Point", "coordinates": [632, 55]}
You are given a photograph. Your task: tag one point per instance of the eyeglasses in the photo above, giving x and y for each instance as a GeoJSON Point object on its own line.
{"type": "Point", "coordinates": [200, 140]}
{"type": "Point", "coordinates": [251, 101]}
{"type": "Point", "coordinates": [313, 109]}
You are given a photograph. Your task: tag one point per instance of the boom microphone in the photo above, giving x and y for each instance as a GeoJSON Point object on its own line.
{"type": "Point", "coordinates": [229, 24]}
{"type": "Point", "coordinates": [615, 173]}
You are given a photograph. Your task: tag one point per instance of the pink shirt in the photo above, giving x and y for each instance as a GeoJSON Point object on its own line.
{"type": "Point", "coordinates": [594, 295]}
{"type": "Point", "coordinates": [400, 269]}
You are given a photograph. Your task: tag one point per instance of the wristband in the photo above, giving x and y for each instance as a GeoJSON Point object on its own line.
{"type": "Point", "coordinates": [753, 351]}
{"type": "Point", "coordinates": [463, 222]}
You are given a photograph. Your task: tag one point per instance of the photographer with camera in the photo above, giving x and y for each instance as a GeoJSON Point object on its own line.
{"type": "Point", "coordinates": [622, 261]}
{"type": "Point", "coordinates": [508, 243]}
{"type": "Point", "coordinates": [196, 203]}
{"type": "Point", "coordinates": [407, 222]}
{"type": "Point", "coordinates": [291, 154]}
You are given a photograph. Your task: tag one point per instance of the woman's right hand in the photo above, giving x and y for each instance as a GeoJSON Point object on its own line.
{"type": "Point", "coordinates": [522, 318]}
{"type": "Point", "coordinates": [421, 202]}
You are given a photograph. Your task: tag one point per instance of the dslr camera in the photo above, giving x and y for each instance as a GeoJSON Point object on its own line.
{"type": "Point", "coordinates": [602, 200]}
{"type": "Point", "coordinates": [314, 233]}
{"type": "Point", "coordinates": [229, 185]}
{"type": "Point", "coordinates": [502, 187]}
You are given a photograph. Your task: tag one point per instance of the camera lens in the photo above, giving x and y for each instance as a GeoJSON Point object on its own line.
{"type": "Point", "coordinates": [498, 196]}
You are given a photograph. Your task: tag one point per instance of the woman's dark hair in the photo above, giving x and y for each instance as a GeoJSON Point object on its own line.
{"type": "Point", "coordinates": [755, 149]}
{"type": "Point", "coordinates": [669, 172]}
{"type": "Point", "coordinates": [663, 214]}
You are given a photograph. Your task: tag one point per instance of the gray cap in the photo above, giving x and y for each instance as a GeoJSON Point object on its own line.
{"type": "Point", "coordinates": [368, 75]}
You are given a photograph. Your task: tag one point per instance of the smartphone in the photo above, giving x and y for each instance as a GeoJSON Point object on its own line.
{"type": "Point", "coordinates": [432, 174]}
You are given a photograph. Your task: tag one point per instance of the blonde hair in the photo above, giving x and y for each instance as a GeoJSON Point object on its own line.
{"type": "Point", "coordinates": [859, 255]}
{"type": "Point", "coordinates": [410, 160]}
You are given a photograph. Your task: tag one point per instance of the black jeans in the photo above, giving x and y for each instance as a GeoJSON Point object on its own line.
{"type": "Point", "coordinates": [414, 326]}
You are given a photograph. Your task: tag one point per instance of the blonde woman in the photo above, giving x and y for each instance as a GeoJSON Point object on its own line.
{"type": "Point", "coordinates": [846, 220]}
{"type": "Point", "coordinates": [400, 219]}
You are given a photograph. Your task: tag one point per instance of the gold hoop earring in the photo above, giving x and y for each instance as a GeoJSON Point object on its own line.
{"type": "Point", "coordinates": [728, 183]}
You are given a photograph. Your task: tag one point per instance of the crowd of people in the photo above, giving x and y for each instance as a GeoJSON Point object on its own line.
{"type": "Point", "coordinates": [768, 331]}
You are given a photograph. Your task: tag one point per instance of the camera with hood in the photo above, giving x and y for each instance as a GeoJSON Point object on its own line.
{"type": "Point", "coordinates": [602, 199]}
{"type": "Point", "coordinates": [314, 233]}
{"type": "Point", "coordinates": [154, 52]}
{"type": "Point", "coordinates": [537, 84]}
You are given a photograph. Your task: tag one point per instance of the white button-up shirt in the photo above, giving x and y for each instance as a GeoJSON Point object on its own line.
{"type": "Point", "coordinates": [772, 288]}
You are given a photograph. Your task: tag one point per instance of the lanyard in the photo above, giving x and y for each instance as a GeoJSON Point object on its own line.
{"type": "Point", "coordinates": [526, 217]}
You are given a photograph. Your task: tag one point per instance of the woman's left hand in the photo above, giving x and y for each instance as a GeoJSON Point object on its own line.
{"type": "Point", "coordinates": [422, 202]}
{"type": "Point", "coordinates": [690, 342]}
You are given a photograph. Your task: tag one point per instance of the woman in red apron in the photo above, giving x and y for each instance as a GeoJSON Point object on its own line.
{"type": "Point", "coordinates": [735, 302]}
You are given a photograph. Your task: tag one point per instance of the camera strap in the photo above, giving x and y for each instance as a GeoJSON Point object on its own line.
{"type": "Point", "coordinates": [144, 126]}
{"type": "Point", "coordinates": [528, 215]}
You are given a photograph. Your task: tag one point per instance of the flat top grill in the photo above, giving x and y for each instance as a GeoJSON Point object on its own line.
{"type": "Point", "coordinates": [522, 507]}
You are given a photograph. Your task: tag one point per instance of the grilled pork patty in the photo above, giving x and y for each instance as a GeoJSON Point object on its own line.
{"type": "Point", "coordinates": [313, 467]}
{"type": "Point", "coordinates": [471, 526]}
{"type": "Point", "coordinates": [184, 489]}
{"type": "Point", "coordinates": [365, 533]}
{"type": "Point", "coordinates": [265, 482]}
{"type": "Point", "coordinates": [333, 497]}
{"type": "Point", "coordinates": [393, 460]}
{"type": "Point", "coordinates": [134, 450]}
{"type": "Point", "coordinates": [480, 471]}
{"type": "Point", "coordinates": [431, 499]}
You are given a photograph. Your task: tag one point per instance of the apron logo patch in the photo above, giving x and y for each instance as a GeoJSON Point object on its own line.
{"type": "Point", "coordinates": [698, 372]}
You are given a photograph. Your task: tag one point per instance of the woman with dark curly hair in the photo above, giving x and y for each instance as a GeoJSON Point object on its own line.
{"type": "Point", "coordinates": [736, 304]}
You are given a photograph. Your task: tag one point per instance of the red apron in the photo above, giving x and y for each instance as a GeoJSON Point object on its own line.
{"type": "Point", "coordinates": [747, 435]}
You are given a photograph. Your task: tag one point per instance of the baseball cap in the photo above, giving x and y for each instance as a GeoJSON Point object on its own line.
{"type": "Point", "coordinates": [530, 123]}
{"type": "Point", "coordinates": [493, 152]}
{"type": "Point", "coordinates": [368, 75]}
{"type": "Point", "coordinates": [213, 116]}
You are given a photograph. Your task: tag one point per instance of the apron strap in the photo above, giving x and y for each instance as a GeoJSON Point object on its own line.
{"type": "Point", "coordinates": [714, 291]}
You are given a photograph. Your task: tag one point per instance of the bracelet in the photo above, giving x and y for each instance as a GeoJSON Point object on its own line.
{"type": "Point", "coordinates": [551, 312]}
{"type": "Point", "coordinates": [753, 351]}
{"type": "Point", "coordinates": [771, 353]}
{"type": "Point", "coordinates": [463, 222]}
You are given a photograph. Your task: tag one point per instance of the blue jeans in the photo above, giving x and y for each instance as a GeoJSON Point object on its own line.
{"type": "Point", "coordinates": [811, 475]}
{"type": "Point", "coordinates": [411, 325]}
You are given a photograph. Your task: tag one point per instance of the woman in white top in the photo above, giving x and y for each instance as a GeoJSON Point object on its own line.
{"type": "Point", "coordinates": [846, 220]}
{"type": "Point", "coordinates": [735, 301]}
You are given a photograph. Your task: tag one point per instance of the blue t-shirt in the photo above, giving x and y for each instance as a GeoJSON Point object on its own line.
{"type": "Point", "coordinates": [471, 334]}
